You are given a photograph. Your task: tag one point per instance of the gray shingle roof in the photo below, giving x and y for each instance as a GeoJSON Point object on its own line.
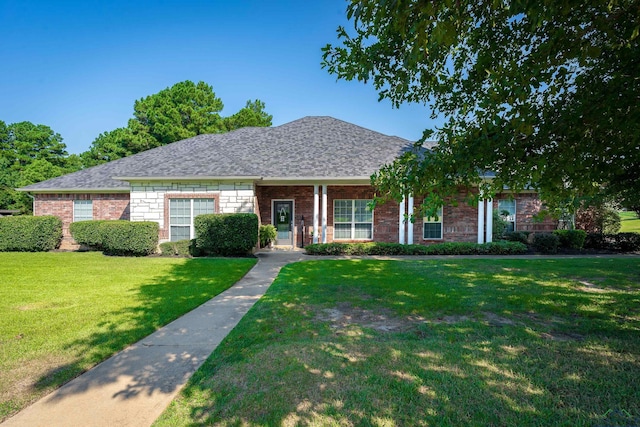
{"type": "Point", "coordinates": [311, 147]}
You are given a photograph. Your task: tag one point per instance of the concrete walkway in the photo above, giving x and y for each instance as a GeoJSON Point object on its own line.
{"type": "Point", "coordinates": [133, 387]}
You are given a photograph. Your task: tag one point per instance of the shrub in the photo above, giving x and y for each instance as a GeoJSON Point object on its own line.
{"type": "Point", "coordinates": [180, 248]}
{"type": "Point", "coordinates": [546, 243]}
{"type": "Point", "coordinates": [267, 234]}
{"type": "Point", "coordinates": [621, 242]}
{"type": "Point", "coordinates": [603, 218]}
{"type": "Point", "coordinates": [226, 234]}
{"type": "Point", "coordinates": [517, 236]}
{"type": "Point", "coordinates": [393, 249]}
{"type": "Point", "coordinates": [499, 225]}
{"type": "Point", "coordinates": [129, 238]}
{"type": "Point", "coordinates": [30, 233]}
{"type": "Point", "coordinates": [573, 239]}
{"type": "Point", "coordinates": [87, 233]}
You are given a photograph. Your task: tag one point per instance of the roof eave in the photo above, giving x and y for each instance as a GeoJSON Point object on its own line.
{"type": "Point", "coordinates": [188, 178]}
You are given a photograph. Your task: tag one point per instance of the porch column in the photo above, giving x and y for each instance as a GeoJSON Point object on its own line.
{"type": "Point", "coordinates": [316, 213]}
{"type": "Point", "coordinates": [409, 223]}
{"type": "Point", "coordinates": [401, 225]}
{"type": "Point", "coordinates": [324, 214]}
{"type": "Point", "coordinates": [481, 221]}
{"type": "Point", "coordinates": [489, 220]}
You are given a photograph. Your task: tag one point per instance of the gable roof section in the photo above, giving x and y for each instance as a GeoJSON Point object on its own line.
{"type": "Point", "coordinates": [309, 148]}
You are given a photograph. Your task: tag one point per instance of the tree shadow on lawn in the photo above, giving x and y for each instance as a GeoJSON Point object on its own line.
{"type": "Point", "coordinates": [162, 300]}
{"type": "Point", "coordinates": [495, 346]}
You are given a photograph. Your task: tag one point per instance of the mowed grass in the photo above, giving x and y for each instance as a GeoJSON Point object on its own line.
{"type": "Point", "coordinates": [429, 342]}
{"type": "Point", "coordinates": [629, 222]}
{"type": "Point", "coordinates": [62, 313]}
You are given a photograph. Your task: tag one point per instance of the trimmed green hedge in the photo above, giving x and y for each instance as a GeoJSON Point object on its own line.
{"type": "Point", "coordinates": [452, 248]}
{"type": "Point", "coordinates": [573, 239]}
{"type": "Point", "coordinates": [87, 233]}
{"type": "Point", "coordinates": [180, 248]}
{"type": "Point", "coordinates": [621, 242]}
{"type": "Point", "coordinates": [546, 243]}
{"type": "Point", "coordinates": [30, 233]}
{"type": "Point", "coordinates": [226, 234]}
{"type": "Point", "coordinates": [128, 238]}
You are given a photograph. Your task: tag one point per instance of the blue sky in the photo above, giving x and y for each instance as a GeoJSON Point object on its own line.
{"type": "Point", "coordinates": [78, 66]}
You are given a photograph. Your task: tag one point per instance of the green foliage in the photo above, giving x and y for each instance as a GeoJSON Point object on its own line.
{"type": "Point", "coordinates": [397, 249]}
{"type": "Point", "coordinates": [181, 248]}
{"type": "Point", "coordinates": [499, 225]}
{"type": "Point", "coordinates": [30, 233]}
{"type": "Point", "coordinates": [517, 236]}
{"type": "Point", "coordinates": [546, 243]}
{"type": "Point", "coordinates": [621, 242]}
{"type": "Point", "coordinates": [544, 94]}
{"type": "Point", "coordinates": [87, 233]}
{"type": "Point", "coordinates": [181, 111]}
{"type": "Point", "coordinates": [573, 239]}
{"type": "Point", "coordinates": [267, 234]}
{"type": "Point", "coordinates": [226, 234]}
{"type": "Point", "coordinates": [129, 238]}
{"type": "Point", "coordinates": [598, 218]}
{"type": "Point", "coordinates": [29, 153]}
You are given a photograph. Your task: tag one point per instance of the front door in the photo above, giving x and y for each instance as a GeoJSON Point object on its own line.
{"type": "Point", "coordinates": [283, 220]}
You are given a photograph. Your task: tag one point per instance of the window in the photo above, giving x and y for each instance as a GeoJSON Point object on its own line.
{"type": "Point", "coordinates": [432, 226]}
{"type": "Point", "coordinates": [507, 210]}
{"type": "Point", "coordinates": [181, 215]}
{"type": "Point", "coordinates": [352, 220]}
{"type": "Point", "coordinates": [82, 210]}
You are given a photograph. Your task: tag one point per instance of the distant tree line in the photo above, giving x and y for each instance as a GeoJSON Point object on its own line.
{"type": "Point", "coordinates": [31, 153]}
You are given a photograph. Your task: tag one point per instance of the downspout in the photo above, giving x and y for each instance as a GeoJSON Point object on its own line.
{"type": "Point", "coordinates": [33, 204]}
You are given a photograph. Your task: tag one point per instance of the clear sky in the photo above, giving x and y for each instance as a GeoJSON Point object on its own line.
{"type": "Point", "coordinates": [78, 66]}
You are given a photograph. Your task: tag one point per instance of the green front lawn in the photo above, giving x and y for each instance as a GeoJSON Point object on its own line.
{"type": "Point", "coordinates": [629, 222]}
{"type": "Point", "coordinates": [62, 313]}
{"type": "Point", "coordinates": [430, 342]}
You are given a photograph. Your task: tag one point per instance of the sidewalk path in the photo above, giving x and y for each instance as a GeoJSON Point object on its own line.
{"type": "Point", "coordinates": [133, 387]}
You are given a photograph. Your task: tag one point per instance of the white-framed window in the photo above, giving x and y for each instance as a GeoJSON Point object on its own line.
{"type": "Point", "coordinates": [432, 226]}
{"type": "Point", "coordinates": [82, 210]}
{"type": "Point", "coordinates": [352, 220]}
{"type": "Point", "coordinates": [181, 215]}
{"type": "Point", "coordinates": [507, 210]}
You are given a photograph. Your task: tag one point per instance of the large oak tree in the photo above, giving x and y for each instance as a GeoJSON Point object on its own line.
{"type": "Point", "coordinates": [545, 94]}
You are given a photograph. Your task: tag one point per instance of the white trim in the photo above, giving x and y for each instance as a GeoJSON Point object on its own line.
{"type": "Point", "coordinates": [316, 212]}
{"type": "Point", "coordinates": [410, 224]}
{"type": "Point", "coordinates": [192, 227]}
{"type": "Point", "coordinates": [489, 220]}
{"type": "Point", "coordinates": [352, 222]}
{"type": "Point", "coordinates": [401, 222]}
{"type": "Point", "coordinates": [293, 218]}
{"type": "Point", "coordinates": [186, 178]}
{"type": "Point", "coordinates": [324, 214]}
{"type": "Point", "coordinates": [481, 221]}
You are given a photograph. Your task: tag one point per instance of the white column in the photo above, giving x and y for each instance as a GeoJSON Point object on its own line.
{"type": "Point", "coordinates": [316, 213]}
{"type": "Point", "coordinates": [489, 220]}
{"type": "Point", "coordinates": [409, 223]}
{"type": "Point", "coordinates": [481, 221]}
{"type": "Point", "coordinates": [401, 225]}
{"type": "Point", "coordinates": [324, 214]}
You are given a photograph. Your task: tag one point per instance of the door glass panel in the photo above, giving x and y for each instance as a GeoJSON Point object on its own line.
{"type": "Point", "coordinates": [282, 213]}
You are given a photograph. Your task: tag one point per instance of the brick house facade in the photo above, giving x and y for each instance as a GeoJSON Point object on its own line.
{"type": "Point", "coordinates": [321, 188]}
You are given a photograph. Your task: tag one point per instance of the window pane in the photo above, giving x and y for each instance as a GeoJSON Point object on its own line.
{"type": "Point", "coordinates": [362, 212]}
{"type": "Point", "coordinates": [202, 206]}
{"type": "Point", "coordinates": [433, 230]}
{"type": "Point", "coordinates": [179, 212]}
{"type": "Point", "coordinates": [363, 231]}
{"type": "Point", "coordinates": [342, 231]}
{"type": "Point", "coordinates": [82, 210]}
{"type": "Point", "coordinates": [342, 211]}
{"type": "Point", "coordinates": [180, 233]}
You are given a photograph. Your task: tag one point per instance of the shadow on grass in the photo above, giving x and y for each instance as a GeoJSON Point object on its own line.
{"type": "Point", "coordinates": [157, 303]}
{"type": "Point", "coordinates": [484, 343]}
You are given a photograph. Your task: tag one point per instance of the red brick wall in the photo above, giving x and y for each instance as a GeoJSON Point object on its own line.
{"type": "Point", "coordinates": [459, 223]}
{"type": "Point", "coordinates": [105, 206]}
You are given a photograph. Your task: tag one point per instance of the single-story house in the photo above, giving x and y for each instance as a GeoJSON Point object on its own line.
{"type": "Point", "coordinates": [310, 178]}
